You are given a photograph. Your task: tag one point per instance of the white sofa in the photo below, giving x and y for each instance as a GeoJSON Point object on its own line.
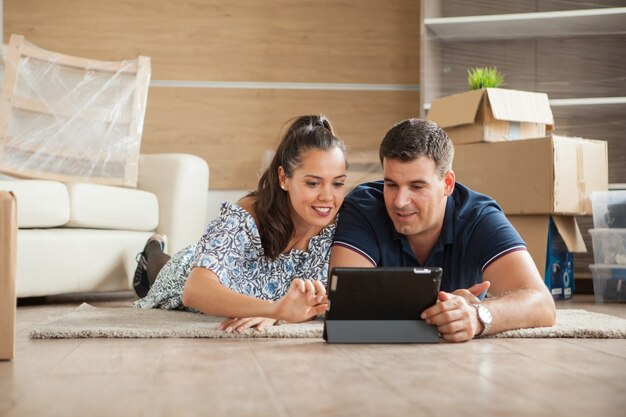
{"type": "Point", "coordinates": [75, 238]}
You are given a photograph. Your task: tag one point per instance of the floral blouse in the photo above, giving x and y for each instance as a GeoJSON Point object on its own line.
{"type": "Point", "coordinates": [231, 248]}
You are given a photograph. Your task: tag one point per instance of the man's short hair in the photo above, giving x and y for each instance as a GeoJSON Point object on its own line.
{"type": "Point", "coordinates": [413, 138]}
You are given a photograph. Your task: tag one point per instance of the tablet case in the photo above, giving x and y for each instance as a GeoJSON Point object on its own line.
{"type": "Point", "coordinates": [381, 305]}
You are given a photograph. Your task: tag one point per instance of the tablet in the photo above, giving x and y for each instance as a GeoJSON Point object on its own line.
{"type": "Point", "coordinates": [381, 293]}
{"type": "Point", "coordinates": [380, 304]}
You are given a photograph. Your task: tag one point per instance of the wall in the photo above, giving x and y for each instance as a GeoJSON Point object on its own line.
{"type": "Point", "coordinates": [227, 75]}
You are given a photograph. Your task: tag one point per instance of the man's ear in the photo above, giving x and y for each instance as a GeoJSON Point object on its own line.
{"type": "Point", "coordinates": [449, 180]}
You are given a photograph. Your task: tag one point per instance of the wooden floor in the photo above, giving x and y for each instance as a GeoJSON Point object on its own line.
{"type": "Point", "coordinates": [306, 377]}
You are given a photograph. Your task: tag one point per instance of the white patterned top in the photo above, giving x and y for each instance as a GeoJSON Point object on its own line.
{"type": "Point", "coordinates": [231, 248]}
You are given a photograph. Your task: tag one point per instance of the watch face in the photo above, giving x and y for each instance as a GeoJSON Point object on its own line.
{"type": "Point", "coordinates": [485, 314]}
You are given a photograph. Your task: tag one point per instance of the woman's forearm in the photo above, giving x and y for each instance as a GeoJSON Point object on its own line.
{"type": "Point", "coordinates": [205, 293]}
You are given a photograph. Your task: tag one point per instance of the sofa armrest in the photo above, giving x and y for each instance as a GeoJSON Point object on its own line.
{"type": "Point", "coordinates": [181, 183]}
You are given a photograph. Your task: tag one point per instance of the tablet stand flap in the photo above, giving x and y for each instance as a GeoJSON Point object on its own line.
{"type": "Point", "coordinates": [380, 331]}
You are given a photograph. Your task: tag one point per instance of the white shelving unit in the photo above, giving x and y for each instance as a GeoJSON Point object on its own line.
{"type": "Point", "coordinates": [585, 101]}
{"type": "Point", "coordinates": [590, 22]}
{"type": "Point", "coordinates": [559, 24]}
{"type": "Point", "coordinates": [576, 56]}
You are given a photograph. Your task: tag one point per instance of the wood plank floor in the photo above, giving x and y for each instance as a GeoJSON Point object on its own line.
{"type": "Point", "coordinates": [306, 377]}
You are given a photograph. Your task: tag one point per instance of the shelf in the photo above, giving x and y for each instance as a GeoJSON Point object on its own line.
{"type": "Point", "coordinates": [590, 22]}
{"type": "Point", "coordinates": [589, 101]}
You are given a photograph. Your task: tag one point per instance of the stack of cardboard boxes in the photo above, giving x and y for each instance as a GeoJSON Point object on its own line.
{"type": "Point", "coordinates": [505, 148]}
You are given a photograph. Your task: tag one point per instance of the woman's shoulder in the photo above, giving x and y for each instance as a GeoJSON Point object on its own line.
{"type": "Point", "coordinates": [247, 203]}
{"type": "Point", "coordinates": [234, 229]}
{"type": "Point", "coordinates": [235, 217]}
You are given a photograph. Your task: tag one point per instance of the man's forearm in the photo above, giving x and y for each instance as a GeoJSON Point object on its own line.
{"type": "Point", "coordinates": [521, 308]}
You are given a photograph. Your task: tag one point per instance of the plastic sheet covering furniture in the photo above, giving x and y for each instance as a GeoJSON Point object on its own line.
{"type": "Point", "coordinates": [71, 119]}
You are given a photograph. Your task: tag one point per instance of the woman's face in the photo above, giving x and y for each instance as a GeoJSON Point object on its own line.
{"type": "Point", "coordinates": [317, 187]}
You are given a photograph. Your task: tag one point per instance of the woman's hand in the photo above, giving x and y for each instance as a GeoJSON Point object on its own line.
{"type": "Point", "coordinates": [304, 300]}
{"type": "Point", "coordinates": [239, 325]}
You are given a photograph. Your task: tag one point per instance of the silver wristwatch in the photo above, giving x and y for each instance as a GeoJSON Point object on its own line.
{"type": "Point", "coordinates": [484, 315]}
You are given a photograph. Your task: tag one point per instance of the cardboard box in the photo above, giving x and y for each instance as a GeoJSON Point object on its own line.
{"type": "Point", "coordinates": [493, 115]}
{"type": "Point", "coordinates": [8, 242]}
{"type": "Point", "coordinates": [552, 241]}
{"type": "Point", "coordinates": [555, 174]}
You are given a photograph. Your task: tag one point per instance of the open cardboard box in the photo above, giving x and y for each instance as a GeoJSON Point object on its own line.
{"type": "Point", "coordinates": [552, 242]}
{"type": "Point", "coordinates": [554, 174]}
{"type": "Point", "coordinates": [8, 242]}
{"type": "Point", "coordinates": [492, 115]}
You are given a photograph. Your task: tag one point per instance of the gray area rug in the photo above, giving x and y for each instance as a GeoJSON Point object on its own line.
{"type": "Point", "coordinates": [575, 324]}
{"type": "Point", "coordinates": [127, 322]}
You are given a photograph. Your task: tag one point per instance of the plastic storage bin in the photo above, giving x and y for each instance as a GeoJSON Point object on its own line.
{"type": "Point", "coordinates": [609, 209]}
{"type": "Point", "coordinates": [609, 283]}
{"type": "Point", "coordinates": [609, 246]}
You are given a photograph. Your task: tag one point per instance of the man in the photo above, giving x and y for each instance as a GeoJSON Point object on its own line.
{"type": "Point", "coordinates": [420, 216]}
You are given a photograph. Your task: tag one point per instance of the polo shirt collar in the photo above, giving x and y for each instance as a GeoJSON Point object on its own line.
{"type": "Point", "coordinates": [447, 231]}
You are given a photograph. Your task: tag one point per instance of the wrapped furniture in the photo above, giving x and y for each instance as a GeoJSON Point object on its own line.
{"type": "Point", "coordinates": [87, 201]}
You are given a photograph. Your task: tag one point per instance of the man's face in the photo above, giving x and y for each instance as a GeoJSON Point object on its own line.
{"type": "Point", "coordinates": [415, 195]}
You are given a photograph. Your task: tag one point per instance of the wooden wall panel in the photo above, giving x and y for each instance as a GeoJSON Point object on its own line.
{"type": "Point", "coordinates": [327, 41]}
{"type": "Point", "coordinates": [232, 128]}
{"type": "Point", "coordinates": [357, 42]}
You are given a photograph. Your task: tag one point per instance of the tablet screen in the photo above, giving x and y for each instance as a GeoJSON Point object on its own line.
{"type": "Point", "coordinates": [381, 293]}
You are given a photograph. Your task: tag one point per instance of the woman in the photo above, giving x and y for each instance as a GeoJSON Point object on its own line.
{"type": "Point", "coordinates": [266, 258]}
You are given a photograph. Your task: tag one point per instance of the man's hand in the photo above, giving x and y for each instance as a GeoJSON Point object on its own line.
{"type": "Point", "coordinates": [455, 318]}
{"type": "Point", "coordinates": [239, 325]}
{"type": "Point", "coordinates": [471, 294]}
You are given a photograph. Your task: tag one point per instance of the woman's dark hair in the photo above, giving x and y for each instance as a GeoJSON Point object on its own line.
{"type": "Point", "coordinates": [413, 138]}
{"type": "Point", "coordinates": [271, 204]}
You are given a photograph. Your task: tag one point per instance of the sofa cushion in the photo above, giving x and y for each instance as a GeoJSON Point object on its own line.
{"type": "Point", "coordinates": [40, 204]}
{"type": "Point", "coordinates": [64, 260]}
{"type": "Point", "coordinates": [106, 207]}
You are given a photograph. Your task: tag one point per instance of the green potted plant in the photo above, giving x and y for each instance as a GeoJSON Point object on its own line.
{"type": "Point", "coordinates": [484, 77]}
{"type": "Point", "coordinates": [491, 113]}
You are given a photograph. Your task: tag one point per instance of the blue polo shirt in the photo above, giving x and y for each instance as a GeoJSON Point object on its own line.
{"type": "Point", "coordinates": [475, 233]}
